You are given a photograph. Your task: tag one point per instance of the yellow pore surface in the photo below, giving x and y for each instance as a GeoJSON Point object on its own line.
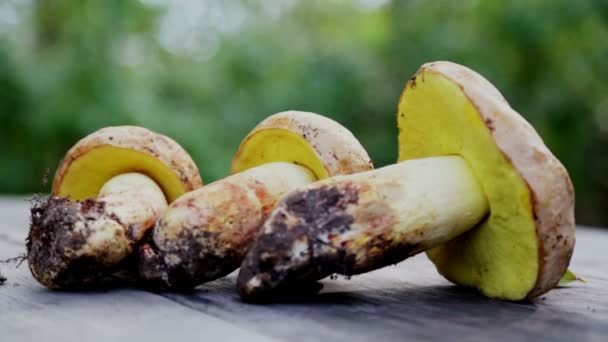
{"type": "Point", "coordinates": [88, 173]}
{"type": "Point", "coordinates": [277, 145]}
{"type": "Point", "coordinates": [499, 256]}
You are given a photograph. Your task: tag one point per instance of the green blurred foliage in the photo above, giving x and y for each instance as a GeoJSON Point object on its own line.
{"type": "Point", "coordinates": [205, 72]}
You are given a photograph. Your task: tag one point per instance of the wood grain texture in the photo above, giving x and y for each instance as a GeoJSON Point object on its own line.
{"type": "Point", "coordinates": [405, 302]}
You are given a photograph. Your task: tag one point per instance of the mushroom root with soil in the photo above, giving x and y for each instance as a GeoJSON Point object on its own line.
{"type": "Point", "coordinates": [107, 193]}
{"type": "Point", "coordinates": [205, 234]}
{"type": "Point", "coordinates": [476, 188]}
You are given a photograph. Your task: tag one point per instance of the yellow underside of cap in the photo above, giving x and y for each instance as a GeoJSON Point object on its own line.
{"type": "Point", "coordinates": [500, 256]}
{"type": "Point", "coordinates": [88, 173]}
{"type": "Point", "coordinates": [277, 145]}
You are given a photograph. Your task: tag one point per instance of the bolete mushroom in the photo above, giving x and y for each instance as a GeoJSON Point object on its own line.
{"type": "Point", "coordinates": [476, 187]}
{"type": "Point", "coordinates": [205, 234]}
{"type": "Point", "coordinates": [107, 192]}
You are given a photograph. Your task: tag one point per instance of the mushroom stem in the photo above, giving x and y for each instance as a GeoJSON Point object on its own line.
{"type": "Point", "coordinates": [433, 199]}
{"type": "Point", "coordinates": [356, 223]}
{"type": "Point", "coordinates": [74, 242]}
{"type": "Point", "coordinates": [206, 233]}
{"type": "Point", "coordinates": [136, 200]}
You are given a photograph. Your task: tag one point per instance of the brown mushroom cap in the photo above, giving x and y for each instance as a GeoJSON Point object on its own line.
{"type": "Point", "coordinates": [524, 246]}
{"type": "Point", "coordinates": [308, 139]}
{"type": "Point", "coordinates": [111, 151]}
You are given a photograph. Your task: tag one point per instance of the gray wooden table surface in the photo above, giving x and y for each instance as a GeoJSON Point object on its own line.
{"type": "Point", "coordinates": [404, 302]}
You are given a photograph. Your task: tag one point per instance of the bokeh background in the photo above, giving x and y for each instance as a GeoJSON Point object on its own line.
{"type": "Point", "coordinates": [206, 71]}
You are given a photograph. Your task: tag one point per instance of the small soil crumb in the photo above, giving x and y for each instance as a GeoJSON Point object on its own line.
{"type": "Point", "coordinates": [2, 279]}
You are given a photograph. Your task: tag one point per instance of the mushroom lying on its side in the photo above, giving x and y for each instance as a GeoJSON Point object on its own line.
{"type": "Point", "coordinates": [205, 234]}
{"type": "Point", "coordinates": [107, 193]}
{"type": "Point", "coordinates": [476, 187]}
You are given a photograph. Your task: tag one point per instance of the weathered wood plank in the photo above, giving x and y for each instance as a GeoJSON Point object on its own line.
{"type": "Point", "coordinates": [29, 312]}
{"type": "Point", "coordinates": [411, 301]}
{"type": "Point", "coordinates": [408, 301]}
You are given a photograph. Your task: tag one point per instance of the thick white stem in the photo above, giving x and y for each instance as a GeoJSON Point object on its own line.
{"type": "Point", "coordinates": [135, 199]}
{"type": "Point", "coordinates": [233, 207]}
{"type": "Point", "coordinates": [216, 222]}
{"type": "Point", "coordinates": [74, 242]}
{"type": "Point", "coordinates": [131, 203]}
{"type": "Point", "coordinates": [438, 197]}
{"type": "Point", "coordinates": [277, 178]}
{"type": "Point", "coordinates": [361, 222]}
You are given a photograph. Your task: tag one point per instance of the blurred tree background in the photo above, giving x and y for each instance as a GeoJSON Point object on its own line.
{"type": "Point", "coordinates": [206, 71]}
